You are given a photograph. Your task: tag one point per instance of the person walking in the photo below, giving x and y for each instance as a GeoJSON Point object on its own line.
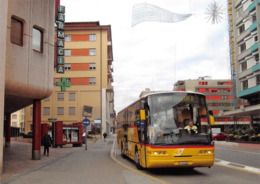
{"type": "Point", "coordinates": [104, 135]}
{"type": "Point", "coordinates": [46, 142]}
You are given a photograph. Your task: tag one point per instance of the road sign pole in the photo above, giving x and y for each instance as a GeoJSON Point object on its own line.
{"type": "Point", "coordinates": [86, 123]}
{"type": "Point", "coordinates": [86, 135]}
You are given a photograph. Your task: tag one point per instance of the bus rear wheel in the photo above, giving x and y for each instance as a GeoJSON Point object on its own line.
{"type": "Point", "coordinates": [137, 161]}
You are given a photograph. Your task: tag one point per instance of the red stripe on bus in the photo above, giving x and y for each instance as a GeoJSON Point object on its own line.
{"type": "Point", "coordinates": [173, 147]}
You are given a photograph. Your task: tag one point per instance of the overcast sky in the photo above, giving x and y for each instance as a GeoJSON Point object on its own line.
{"type": "Point", "coordinates": [155, 55]}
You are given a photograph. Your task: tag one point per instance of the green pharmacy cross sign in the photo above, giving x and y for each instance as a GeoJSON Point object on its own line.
{"type": "Point", "coordinates": [63, 84]}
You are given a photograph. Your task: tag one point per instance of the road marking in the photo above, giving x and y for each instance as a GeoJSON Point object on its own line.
{"type": "Point", "coordinates": [240, 167]}
{"type": "Point", "coordinates": [113, 156]}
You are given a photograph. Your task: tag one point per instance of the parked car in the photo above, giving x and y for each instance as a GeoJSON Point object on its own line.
{"type": "Point", "coordinates": [29, 135]}
{"type": "Point", "coordinates": [220, 136]}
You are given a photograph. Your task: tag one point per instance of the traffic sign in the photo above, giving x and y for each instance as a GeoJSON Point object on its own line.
{"type": "Point", "coordinates": [86, 122]}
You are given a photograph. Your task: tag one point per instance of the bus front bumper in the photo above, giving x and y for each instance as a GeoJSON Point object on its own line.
{"type": "Point", "coordinates": [166, 161]}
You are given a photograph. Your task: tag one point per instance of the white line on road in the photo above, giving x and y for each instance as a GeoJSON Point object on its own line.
{"type": "Point", "coordinates": [237, 166]}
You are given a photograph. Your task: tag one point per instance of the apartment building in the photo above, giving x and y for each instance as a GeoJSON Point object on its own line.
{"type": "Point", "coordinates": [88, 72]}
{"type": "Point", "coordinates": [244, 24]}
{"type": "Point", "coordinates": [17, 119]}
{"type": "Point", "coordinates": [219, 98]}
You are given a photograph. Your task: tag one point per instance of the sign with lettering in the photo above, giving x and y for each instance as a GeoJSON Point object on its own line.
{"type": "Point", "coordinates": [60, 69]}
{"type": "Point", "coordinates": [60, 22]}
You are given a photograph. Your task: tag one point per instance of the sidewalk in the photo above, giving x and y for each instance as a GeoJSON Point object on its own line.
{"type": "Point", "coordinates": [18, 158]}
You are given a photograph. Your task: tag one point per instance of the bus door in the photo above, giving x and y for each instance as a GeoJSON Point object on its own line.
{"type": "Point", "coordinates": [142, 139]}
{"type": "Point", "coordinates": [125, 126]}
{"type": "Point", "coordinates": [125, 137]}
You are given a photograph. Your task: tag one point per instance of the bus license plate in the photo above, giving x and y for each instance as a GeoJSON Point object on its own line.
{"type": "Point", "coordinates": [183, 163]}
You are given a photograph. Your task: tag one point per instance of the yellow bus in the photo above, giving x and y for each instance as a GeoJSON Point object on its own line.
{"type": "Point", "coordinates": [153, 131]}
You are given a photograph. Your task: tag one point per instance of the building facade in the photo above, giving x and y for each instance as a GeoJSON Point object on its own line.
{"type": "Point", "coordinates": [244, 24]}
{"type": "Point", "coordinates": [88, 68]}
{"type": "Point", "coordinates": [17, 120]}
{"type": "Point", "coordinates": [219, 98]}
{"type": "Point", "coordinates": [26, 59]}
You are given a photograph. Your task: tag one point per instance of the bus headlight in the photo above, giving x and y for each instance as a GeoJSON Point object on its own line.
{"type": "Point", "coordinates": [157, 153]}
{"type": "Point", "coordinates": [206, 152]}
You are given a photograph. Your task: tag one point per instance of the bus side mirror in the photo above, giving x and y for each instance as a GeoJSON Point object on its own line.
{"type": "Point", "coordinates": [142, 115]}
{"type": "Point", "coordinates": [212, 120]}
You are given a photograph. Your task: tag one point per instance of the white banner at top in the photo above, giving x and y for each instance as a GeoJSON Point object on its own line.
{"type": "Point", "coordinates": [147, 12]}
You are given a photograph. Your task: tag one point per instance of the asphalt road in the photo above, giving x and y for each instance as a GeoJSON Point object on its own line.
{"type": "Point", "coordinates": [102, 164]}
{"type": "Point", "coordinates": [233, 165]}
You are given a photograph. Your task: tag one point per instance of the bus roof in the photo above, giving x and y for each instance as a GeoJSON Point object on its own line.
{"type": "Point", "coordinates": [160, 92]}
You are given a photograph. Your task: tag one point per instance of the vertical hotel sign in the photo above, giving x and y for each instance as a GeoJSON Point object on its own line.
{"type": "Point", "coordinates": [60, 21]}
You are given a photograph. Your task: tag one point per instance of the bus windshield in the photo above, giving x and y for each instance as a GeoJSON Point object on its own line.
{"type": "Point", "coordinates": [170, 115]}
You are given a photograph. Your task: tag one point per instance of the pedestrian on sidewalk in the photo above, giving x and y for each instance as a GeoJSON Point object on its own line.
{"type": "Point", "coordinates": [104, 135]}
{"type": "Point", "coordinates": [46, 142]}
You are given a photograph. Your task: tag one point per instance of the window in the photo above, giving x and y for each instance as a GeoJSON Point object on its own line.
{"type": "Point", "coordinates": [72, 110]}
{"type": "Point", "coordinates": [257, 57]}
{"type": "Point", "coordinates": [37, 39]}
{"type": "Point", "coordinates": [253, 18]}
{"type": "Point", "coordinates": [67, 52]}
{"type": "Point", "coordinates": [31, 111]}
{"type": "Point", "coordinates": [68, 80]}
{"type": "Point", "coordinates": [14, 116]}
{"type": "Point", "coordinates": [221, 83]}
{"type": "Point", "coordinates": [16, 31]}
{"type": "Point", "coordinates": [92, 80]}
{"type": "Point", "coordinates": [92, 37]}
{"type": "Point", "coordinates": [60, 111]}
{"type": "Point", "coordinates": [92, 52]}
{"type": "Point", "coordinates": [56, 80]}
{"type": "Point", "coordinates": [14, 124]}
{"type": "Point", "coordinates": [67, 66]}
{"type": "Point", "coordinates": [46, 110]}
{"type": "Point", "coordinates": [245, 84]}
{"type": "Point", "coordinates": [72, 96]}
{"type": "Point", "coordinates": [255, 38]}
{"type": "Point", "coordinates": [244, 66]}
{"type": "Point", "coordinates": [60, 96]}
{"type": "Point", "coordinates": [67, 38]}
{"type": "Point", "coordinates": [242, 47]}
{"type": "Point", "coordinates": [92, 66]}
{"type": "Point", "coordinates": [258, 80]}
{"type": "Point", "coordinates": [241, 29]}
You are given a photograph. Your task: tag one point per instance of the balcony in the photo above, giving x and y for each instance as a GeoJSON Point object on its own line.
{"type": "Point", "coordinates": [244, 54]}
{"type": "Point", "coordinates": [243, 35]}
{"type": "Point", "coordinates": [238, 2]}
{"type": "Point", "coordinates": [251, 7]}
{"type": "Point", "coordinates": [254, 47]}
{"type": "Point", "coordinates": [241, 17]}
{"type": "Point", "coordinates": [249, 91]}
{"type": "Point", "coordinates": [253, 27]}
{"type": "Point", "coordinates": [256, 68]}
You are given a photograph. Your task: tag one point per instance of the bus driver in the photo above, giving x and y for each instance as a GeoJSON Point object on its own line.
{"type": "Point", "coordinates": [191, 128]}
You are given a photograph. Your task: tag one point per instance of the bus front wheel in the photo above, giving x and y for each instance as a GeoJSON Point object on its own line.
{"type": "Point", "coordinates": [137, 160]}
